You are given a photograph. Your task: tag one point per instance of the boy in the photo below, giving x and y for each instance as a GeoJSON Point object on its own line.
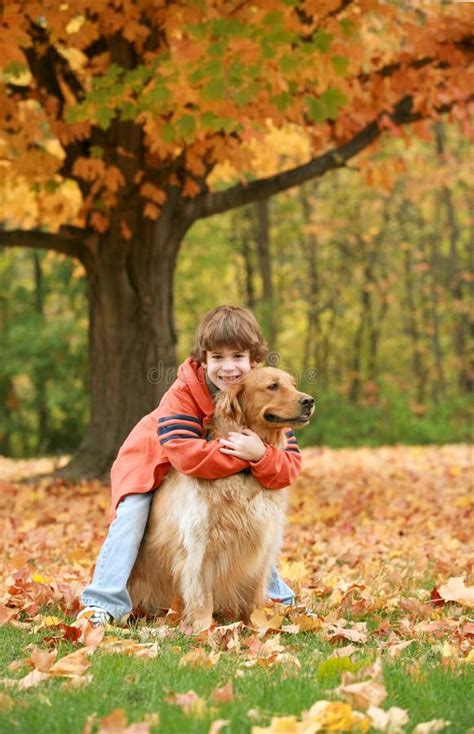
{"type": "Point", "coordinates": [228, 344]}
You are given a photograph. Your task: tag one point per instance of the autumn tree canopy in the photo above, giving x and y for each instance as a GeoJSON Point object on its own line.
{"type": "Point", "coordinates": [139, 102]}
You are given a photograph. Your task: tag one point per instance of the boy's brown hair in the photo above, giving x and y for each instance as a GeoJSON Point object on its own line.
{"type": "Point", "coordinates": [230, 327]}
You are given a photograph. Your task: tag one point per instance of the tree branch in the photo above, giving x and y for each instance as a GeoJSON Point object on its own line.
{"type": "Point", "coordinates": [68, 240]}
{"type": "Point", "coordinates": [209, 203]}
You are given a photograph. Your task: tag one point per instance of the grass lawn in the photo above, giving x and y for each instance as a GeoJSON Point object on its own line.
{"type": "Point", "coordinates": [419, 680]}
{"type": "Point", "coordinates": [378, 545]}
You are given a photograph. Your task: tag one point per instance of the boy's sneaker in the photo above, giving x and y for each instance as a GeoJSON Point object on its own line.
{"type": "Point", "coordinates": [97, 616]}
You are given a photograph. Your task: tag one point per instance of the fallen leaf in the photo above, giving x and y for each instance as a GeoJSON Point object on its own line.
{"type": "Point", "coordinates": [116, 723]}
{"type": "Point", "coordinates": [364, 694]}
{"type": "Point", "coordinates": [224, 694]}
{"type": "Point", "coordinates": [456, 590]}
{"type": "Point", "coordinates": [190, 703]}
{"type": "Point", "coordinates": [198, 658]}
{"type": "Point", "coordinates": [344, 652]}
{"type": "Point", "coordinates": [431, 727]}
{"type": "Point", "coordinates": [306, 622]}
{"type": "Point", "coordinates": [334, 716]}
{"type": "Point", "coordinates": [391, 721]}
{"type": "Point", "coordinates": [28, 681]}
{"type": "Point", "coordinates": [218, 725]}
{"type": "Point", "coordinates": [129, 647]}
{"type": "Point", "coordinates": [262, 623]}
{"type": "Point", "coordinates": [279, 725]}
{"type": "Point", "coordinates": [49, 621]}
{"type": "Point", "coordinates": [358, 633]}
{"type": "Point", "coordinates": [6, 614]}
{"type": "Point", "coordinates": [295, 572]}
{"type": "Point", "coordinates": [72, 665]}
{"type": "Point", "coordinates": [42, 659]}
{"type": "Point", "coordinates": [395, 650]}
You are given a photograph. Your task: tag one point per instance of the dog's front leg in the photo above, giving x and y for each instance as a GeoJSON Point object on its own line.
{"type": "Point", "coordinates": [196, 590]}
{"type": "Point", "coordinates": [193, 574]}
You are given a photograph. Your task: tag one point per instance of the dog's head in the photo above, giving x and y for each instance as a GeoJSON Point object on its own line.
{"type": "Point", "coordinates": [266, 400]}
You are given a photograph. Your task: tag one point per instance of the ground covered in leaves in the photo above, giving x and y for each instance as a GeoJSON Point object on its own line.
{"type": "Point", "coordinates": [379, 548]}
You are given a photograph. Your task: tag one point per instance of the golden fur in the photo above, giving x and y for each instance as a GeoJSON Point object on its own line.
{"type": "Point", "coordinates": [213, 542]}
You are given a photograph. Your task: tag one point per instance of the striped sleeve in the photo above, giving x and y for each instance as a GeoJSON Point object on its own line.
{"type": "Point", "coordinates": [291, 442]}
{"type": "Point", "coordinates": [180, 433]}
{"type": "Point", "coordinates": [179, 425]}
{"type": "Point", "coordinates": [278, 468]}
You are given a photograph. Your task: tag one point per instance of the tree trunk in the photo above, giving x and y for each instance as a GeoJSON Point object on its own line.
{"type": "Point", "coordinates": [364, 320]}
{"type": "Point", "coordinates": [419, 370]}
{"type": "Point", "coordinates": [356, 364]}
{"type": "Point", "coordinates": [454, 275]}
{"type": "Point", "coordinates": [267, 306]}
{"type": "Point", "coordinates": [439, 382]}
{"type": "Point", "coordinates": [309, 246]}
{"type": "Point", "coordinates": [249, 284]}
{"type": "Point", "coordinates": [40, 382]}
{"type": "Point", "coordinates": [131, 334]}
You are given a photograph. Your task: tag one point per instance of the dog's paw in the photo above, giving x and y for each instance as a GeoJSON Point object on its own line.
{"type": "Point", "coordinates": [201, 622]}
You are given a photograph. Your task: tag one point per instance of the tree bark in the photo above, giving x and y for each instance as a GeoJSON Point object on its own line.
{"type": "Point", "coordinates": [419, 370]}
{"type": "Point", "coordinates": [309, 247]}
{"type": "Point", "coordinates": [132, 335]}
{"type": "Point", "coordinates": [454, 275]}
{"type": "Point", "coordinates": [439, 382]}
{"type": "Point", "coordinates": [40, 381]}
{"type": "Point", "coordinates": [267, 303]}
{"type": "Point", "coordinates": [249, 284]}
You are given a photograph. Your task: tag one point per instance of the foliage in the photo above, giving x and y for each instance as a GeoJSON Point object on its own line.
{"type": "Point", "coordinates": [391, 421]}
{"type": "Point", "coordinates": [377, 547]}
{"type": "Point", "coordinates": [44, 377]}
{"type": "Point", "coordinates": [197, 82]}
{"type": "Point", "coordinates": [339, 227]}
{"type": "Point", "coordinates": [115, 118]}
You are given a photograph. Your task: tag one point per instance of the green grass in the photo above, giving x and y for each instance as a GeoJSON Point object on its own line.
{"type": "Point", "coordinates": [140, 685]}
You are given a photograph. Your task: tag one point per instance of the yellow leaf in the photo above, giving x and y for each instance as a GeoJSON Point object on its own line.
{"type": "Point", "coordinates": [296, 571]}
{"type": "Point", "coordinates": [40, 579]}
{"type": "Point", "coordinates": [279, 725]}
{"type": "Point", "coordinates": [334, 716]}
{"type": "Point", "coordinates": [75, 24]}
{"type": "Point", "coordinates": [49, 622]}
{"type": "Point", "coordinates": [197, 658]}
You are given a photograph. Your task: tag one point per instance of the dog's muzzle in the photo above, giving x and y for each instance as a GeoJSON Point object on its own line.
{"type": "Point", "coordinates": [306, 411]}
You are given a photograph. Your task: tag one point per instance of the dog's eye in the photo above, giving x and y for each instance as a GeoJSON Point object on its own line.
{"type": "Point", "coordinates": [273, 386]}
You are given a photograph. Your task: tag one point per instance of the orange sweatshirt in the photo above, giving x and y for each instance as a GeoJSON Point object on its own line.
{"type": "Point", "coordinates": [174, 435]}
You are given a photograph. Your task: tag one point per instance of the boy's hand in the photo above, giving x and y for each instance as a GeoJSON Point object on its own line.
{"type": "Point", "coordinates": [245, 445]}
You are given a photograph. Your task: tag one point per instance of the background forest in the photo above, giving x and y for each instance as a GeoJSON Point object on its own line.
{"type": "Point", "coordinates": [361, 282]}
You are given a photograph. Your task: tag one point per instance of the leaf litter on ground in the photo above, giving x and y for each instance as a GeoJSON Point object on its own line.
{"type": "Point", "coordinates": [373, 534]}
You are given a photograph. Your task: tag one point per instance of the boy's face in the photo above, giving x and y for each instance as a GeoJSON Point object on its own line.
{"type": "Point", "coordinates": [225, 366]}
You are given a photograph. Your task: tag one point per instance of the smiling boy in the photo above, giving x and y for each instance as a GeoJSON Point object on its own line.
{"type": "Point", "coordinates": [228, 345]}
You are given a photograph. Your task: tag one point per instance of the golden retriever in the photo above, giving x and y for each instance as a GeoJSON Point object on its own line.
{"type": "Point", "coordinates": [212, 543]}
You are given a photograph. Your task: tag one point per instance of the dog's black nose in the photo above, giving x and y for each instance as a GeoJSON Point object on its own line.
{"type": "Point", "coordinates": [307, 402]}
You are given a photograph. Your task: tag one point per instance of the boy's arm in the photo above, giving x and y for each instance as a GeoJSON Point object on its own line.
{"type": "Point", "coordinates": [179, 433]}
{"type": "Point", "coordinates": [278, 467]}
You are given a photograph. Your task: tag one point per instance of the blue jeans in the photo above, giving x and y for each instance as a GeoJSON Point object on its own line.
{"type": "Point", "coordinates": [108, 588]}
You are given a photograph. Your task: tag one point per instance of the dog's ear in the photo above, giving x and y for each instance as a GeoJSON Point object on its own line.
{"type": "Point", "coordinates": [230, 404]}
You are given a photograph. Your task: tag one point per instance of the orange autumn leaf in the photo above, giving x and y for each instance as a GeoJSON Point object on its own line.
{"type": "Point", "coordinates": [223, 694]}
